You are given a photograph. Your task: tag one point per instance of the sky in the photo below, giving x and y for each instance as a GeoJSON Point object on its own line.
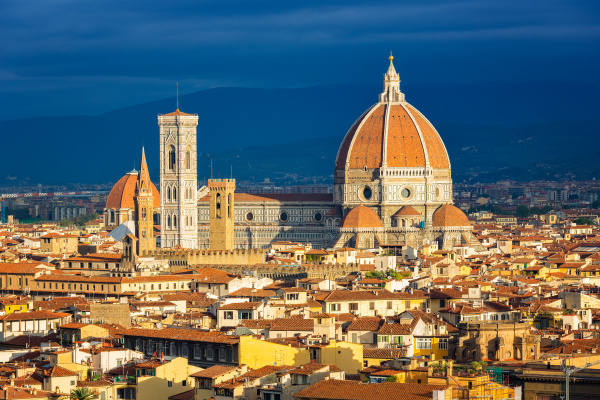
{"type": "Point", "coordinates": [73, 57]}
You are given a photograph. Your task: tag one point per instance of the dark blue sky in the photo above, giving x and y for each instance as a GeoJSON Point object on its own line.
{"type": "Point", "coordinates": [64, 57]}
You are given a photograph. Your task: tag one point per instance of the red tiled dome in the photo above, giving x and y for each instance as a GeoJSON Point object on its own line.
{"type": "Point", "coordinates": [411, 140]}
{"type": "Point", "coordinates": [407, 211]}
{"type": "Point", "coordinates": [449, 215]}
{"type": "Point", "coordinates": [361, 217]}
{"type": "Point", "coordinates": [121, 195]}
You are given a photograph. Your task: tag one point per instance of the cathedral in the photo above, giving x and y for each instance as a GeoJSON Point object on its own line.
{"type": "Point", "coordinates": [392, 188]}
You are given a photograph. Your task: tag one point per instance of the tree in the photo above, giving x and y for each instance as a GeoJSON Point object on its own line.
{"type": "Point", "coordinates": [522, 211]}
{"type": "Point", "coordinates": [596, 204]}
{"type": "Point", "coordinates": [584, 221]}
{"type": "Point", "coordinates": [82, 393]}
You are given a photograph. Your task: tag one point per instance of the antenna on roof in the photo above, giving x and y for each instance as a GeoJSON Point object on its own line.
{"type": "Point", "coordinates": [231, 171]}
{"type": "Point", "coordinates": [211, 169]}
{"type": "Point", "coordinates": [177, 91]}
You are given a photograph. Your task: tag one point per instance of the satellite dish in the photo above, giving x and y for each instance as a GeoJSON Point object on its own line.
{"type": "Point", "coordinates": [159, 325]}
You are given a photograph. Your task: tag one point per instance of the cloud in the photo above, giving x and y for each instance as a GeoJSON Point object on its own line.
{"type": "Point", "coordinates": [73, 44]}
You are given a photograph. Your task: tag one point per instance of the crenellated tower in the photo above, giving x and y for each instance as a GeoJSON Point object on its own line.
{"type": "Point", "coordinates": [221, 235]}
{"type": "Point", "coordinates": [178, 179]}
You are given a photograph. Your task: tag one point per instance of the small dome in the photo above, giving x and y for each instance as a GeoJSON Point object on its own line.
{"type": "Point", "coordinates": [407, 211]}
{"type": "Point", "coordinates": [121, 195]}
{"type": "Point", "coordinates": [449, 215]}
{"type": "Point", "coordinates": [361, 217]}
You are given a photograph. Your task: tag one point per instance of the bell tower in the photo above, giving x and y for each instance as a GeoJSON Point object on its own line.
{"type": "Point", "coordinates": [178, 179]}
{"type": "Point", "coordinates": [221, 231]}
{"type": "Point", "coordinates": [144, 209]}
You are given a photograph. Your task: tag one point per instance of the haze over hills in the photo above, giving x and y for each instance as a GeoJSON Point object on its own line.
{"type": "Point", "coordinates": [534, 130]}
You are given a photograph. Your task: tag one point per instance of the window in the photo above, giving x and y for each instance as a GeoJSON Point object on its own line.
{"type": "Point", "coordinates": [442, 344]}
{"type": "Point", "coordinates": [184, 383]}
{"type": "Point", "coordinates": [228, 315]}
{"type": "Point", "coordinates": [293, 296]}
{"type": "Point", "coordinates": [335, 307]}
{"type": "Point", "coordinates": [389, 305]}
{"type": "Point", "coordinates": [171, 157]}
{"type": "Point", "coordinates": [354, 337]}
{"type": "Point", "coordinates": [170, 383]}
{"type": "Point", "coordinates": [423, 343]}
{"type": "Point", "coordinates": [353, 306]}
{"type": "Point", "coordinates": [371, 305]}
{"type": "Point", "coordinates": [246, 315]}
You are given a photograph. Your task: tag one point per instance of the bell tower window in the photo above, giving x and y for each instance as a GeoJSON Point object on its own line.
{"type": "Point", "coordinates": [172, 158]}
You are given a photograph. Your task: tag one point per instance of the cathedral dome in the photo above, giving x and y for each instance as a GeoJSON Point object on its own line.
{"type": "Point", "coordinates": [361, 217]}
{"type": "Point", "coordinates": [449, 215]}
{"type": "Point", "coordinates": [121, 195]}
{"type": "Point", "coordinates": [407, 211]}
{"type": "Point", "coordinates": [392, 134]}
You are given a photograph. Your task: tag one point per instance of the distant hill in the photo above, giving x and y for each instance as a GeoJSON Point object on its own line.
{"type": "Point", "coordinates": [273, 132]}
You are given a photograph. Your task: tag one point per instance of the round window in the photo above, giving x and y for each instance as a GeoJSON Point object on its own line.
{"type": "Point", "coordinates": [283, 216]}
{"type": "Point", "coordinates": [249, 216]}
{"type": "Point", "coordinates": [318, 217]}
{"type": "Point", "coordinates": [405, 193]}
{"type": "Point", "coordinates": [367, 193]}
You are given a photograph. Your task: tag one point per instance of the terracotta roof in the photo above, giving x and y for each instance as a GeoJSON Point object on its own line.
{"type": "Point", "coordinates": [409, 133]}
{"type": "Point", "coordinates": [58, 371]}
{"type": "Point", "coordinates": [361, 217]}
{"type": "Point", "coordinates": [214, 372]}
{"type": "Point", "coordinates": [407, 211]}
{"type": "Point", "coordinates": [353, 390]}
{"type": "Point", "coordinates": [449, 215]}
{"type": "Point", "coordinates": [365, 324]}
{"type": "Point", "coordinates": [182, 334]}
{"type": "Point", "coordinates": [187, 395]}
{"type": "Point", "coordinates": [383, 353]}
{"type": "Point", "coordinates": [178, 113]}
{"type": "Point", "coordinates": [121, 195]}
{"type": "Point", "coordinates": [33, 315]}
{"type": "Point", "coordinates": [241, 306]}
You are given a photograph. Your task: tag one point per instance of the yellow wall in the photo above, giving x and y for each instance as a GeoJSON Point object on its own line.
{"type": "Point", "coordinates": [258, 353]}
{"type": "Point", "coordinates": [156, 387]}
{"type": "Point", "coordinates": [344, 355]}
{"type": "Point", "coordinates": [439, 353]}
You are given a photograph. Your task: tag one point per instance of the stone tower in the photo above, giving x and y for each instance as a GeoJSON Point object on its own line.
{"type": "Point", "coordinates": [221, 235]}
{"type": "Point", "coordinates": [178, 179]}
{"type": "Point", "coordinates": [144, 209]}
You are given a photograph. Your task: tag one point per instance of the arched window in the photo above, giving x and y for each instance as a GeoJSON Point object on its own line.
{"type": "Point", "coordinates": [171, 157]}
{"type": "Point", "coordinates": [143, 213]}
{"type": "Point", "coordinates": [174, 194]}
{"type": "Point", "coordinates": [169, 193]}
{"type": "Point", "coordinates": [188, 161]}
{"type": "Point", "coordinates": [218, 205]}
{"type": "Point", "coordinates": [174, 221]}
{"type": "Point", "coordinates": [168, 221]}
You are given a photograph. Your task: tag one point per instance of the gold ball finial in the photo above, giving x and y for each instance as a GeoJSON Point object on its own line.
{"type": "Point", "coordinates": [391, 57]}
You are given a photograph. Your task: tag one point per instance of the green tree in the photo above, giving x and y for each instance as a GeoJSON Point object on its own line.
{"type": "Point", "coordinates": [82, 393]}
{"type": "Point", "coordinates": [584, 221]}
{"type": "Point", "coordinates": [522, 211]}
{"type": "Point", "coordinates": [392, 378]}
